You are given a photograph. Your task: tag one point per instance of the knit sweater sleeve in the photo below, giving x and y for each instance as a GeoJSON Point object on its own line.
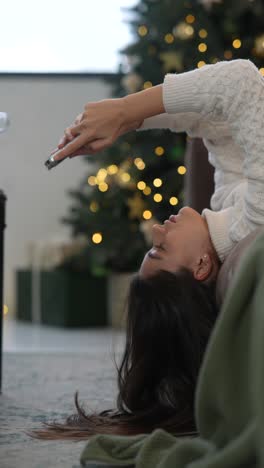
{"type": "Point", "coordinates": [232, 92]}
{"type": "Point", "coordinates": [179, 122]}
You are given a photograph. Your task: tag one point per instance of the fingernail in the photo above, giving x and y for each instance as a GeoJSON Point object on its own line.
{"type": "Point", "coordinates": [55, 158]}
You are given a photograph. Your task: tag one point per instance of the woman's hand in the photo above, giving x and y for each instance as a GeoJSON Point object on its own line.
{"type": "Point", "coordinates": [103, 122]}
{"type": "Point", "coordinates": [95, 129]}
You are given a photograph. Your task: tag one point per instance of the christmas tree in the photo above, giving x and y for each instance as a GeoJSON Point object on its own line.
{"type": "Point", "coordinates": [139, 180]}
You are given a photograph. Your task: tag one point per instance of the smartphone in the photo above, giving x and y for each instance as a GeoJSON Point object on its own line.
{"type": "Point", "coordinates": [50, 163]}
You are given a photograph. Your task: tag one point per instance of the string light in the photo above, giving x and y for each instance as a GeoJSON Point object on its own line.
{"type": "Point", "coordinates": [147, 190]}
{"type": "Point", "coordinates": [101, 175]}
{"type": "Point", "coordinates": [183, 31]}
{"type": "Point", "coordinates": [142, 30]}
{"type": "Point", "coordinates": [182, 170]}
{"type": "Point", "coordinates": [203, 33]}
{"type": "Point", "coordinates": [139, 163]}
{"type": "Point", "coordinates": [5, 309]}
{"type": "Point", "coordinates": [174, 201]}
{"type": "Point", "coordinates": [159, 151]}
{"type": "Point", "coordinates": [97, 238]}
{"type": "Point", "coordinates": [202, 47]}
{"type": "Point", "coordinates": [201, 64]}
{"type": "Point", "coordinates": [169, 38]}
{"type": "Point", "coordinates": [189, 31]}
{"type": "Point", "coordinates": [141, 185]}
{"type": "Point", "coordinates": [103, 187]}
{"type": "Point", "coordinates": [147, 84]}
{"type": "Point", "coordinates": [261, 71]}
{"type": "Point", "coordinates": [147, 214]}
{"type": "Point", "coordinates": [237, 43]}
{"type": "Point", "coordinates": [190, 19]}
{"type": "Point", "coordinates": [157, 182]}
{"type": "Point", "coordinates": [112, 169]}
{"type": "Point", "coordinates": [157, 197]}
{"type": "Point", "coordinates": [92, 180]}
{"type": "Point", "coordinates": [125, 177]}
{"type": "Point", "coordinates": [94, 206]}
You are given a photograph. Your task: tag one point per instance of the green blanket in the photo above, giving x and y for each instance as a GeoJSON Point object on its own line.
{"type": "Point", "coordinates": [230, 392]}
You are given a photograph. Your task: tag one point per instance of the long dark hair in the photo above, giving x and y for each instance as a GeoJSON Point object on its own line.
{"type": "Point", "coordinates": [169, 320]}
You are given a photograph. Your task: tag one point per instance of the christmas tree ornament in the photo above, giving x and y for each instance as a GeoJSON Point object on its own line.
{"type": "Point", "coordinates": [125, 166]}
{"type": "Point", "coordinates": [136, 206]}
{"type": "Point", "coordinates": [123, 177]}
{"type": "Point", "coordinates": [183, 31]}
{"type": "Point", "coordinates": [132, 82]}
{"type": "Point", "coordinates": [171, 61]}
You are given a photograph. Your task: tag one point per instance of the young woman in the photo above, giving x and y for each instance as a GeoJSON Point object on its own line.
{"type": "Point", "coordinates": [171, 305]}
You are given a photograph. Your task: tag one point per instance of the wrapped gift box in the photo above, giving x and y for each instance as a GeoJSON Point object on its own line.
{"type": "Point", "coordinates": [49, 293]}
{"type": "Point", "coordinates": [65, 298]}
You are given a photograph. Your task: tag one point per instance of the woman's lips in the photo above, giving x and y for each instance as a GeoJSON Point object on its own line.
{"type": "Point", "coordinates": [172, 219]}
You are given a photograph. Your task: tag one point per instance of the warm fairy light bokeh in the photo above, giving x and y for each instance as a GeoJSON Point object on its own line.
{"type": "Point", "coordinates": [97, 237]}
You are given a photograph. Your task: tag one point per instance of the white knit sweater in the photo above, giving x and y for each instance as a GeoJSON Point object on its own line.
{"type": "Point", "coordinates": [223, 104]}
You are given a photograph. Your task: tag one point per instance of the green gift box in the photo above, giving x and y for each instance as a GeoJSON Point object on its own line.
{"type": "Point", "coordinates": [66, 298]}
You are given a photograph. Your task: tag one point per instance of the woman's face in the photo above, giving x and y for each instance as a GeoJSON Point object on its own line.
{"type": "Point", "coordinates": [179, 242]}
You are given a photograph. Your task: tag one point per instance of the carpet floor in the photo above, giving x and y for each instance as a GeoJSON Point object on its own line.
{"type": "Point", "coordinates": [39, 387]}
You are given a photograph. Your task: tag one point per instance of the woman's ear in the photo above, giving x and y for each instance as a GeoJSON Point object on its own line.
{"type": "Point", "coordinates": [203, 267]}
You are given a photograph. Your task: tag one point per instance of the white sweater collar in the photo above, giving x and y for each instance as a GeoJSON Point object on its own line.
{"type": "Point", "coordinates": [219, 227]}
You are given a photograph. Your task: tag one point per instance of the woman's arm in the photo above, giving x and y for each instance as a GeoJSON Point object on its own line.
{"type": "Point", "coordinates": [103, 122]}
{"type": "Point", "coordinates": [213, 92]}
{"type": "Point", "coordinates": [235, 95]}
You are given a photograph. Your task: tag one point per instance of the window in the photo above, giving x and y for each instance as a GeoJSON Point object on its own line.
{"type": "Point", "coordinates": [62, 36]}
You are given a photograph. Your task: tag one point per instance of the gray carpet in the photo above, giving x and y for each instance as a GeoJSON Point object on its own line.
{"type": "Point", "coordinates": [40, 387]}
